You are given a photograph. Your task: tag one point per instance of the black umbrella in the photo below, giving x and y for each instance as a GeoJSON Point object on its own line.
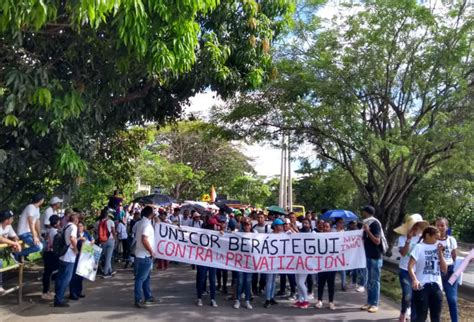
{"type": "Point", "coordinates": [155, 199]}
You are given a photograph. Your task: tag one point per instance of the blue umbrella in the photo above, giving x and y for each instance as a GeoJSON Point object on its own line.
{"type": "Point", "coordinates": [347, 215]}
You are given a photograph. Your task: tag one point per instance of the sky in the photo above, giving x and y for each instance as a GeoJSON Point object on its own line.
{"type": "Point", "coordinates": [266, 159]}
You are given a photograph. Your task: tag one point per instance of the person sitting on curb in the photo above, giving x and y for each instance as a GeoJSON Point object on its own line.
{"type": "Point", "coordinates": [7, 236]}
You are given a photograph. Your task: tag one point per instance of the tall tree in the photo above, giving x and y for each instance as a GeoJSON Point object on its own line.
{"type": "Point", "coordinates": [381, 92]}
{"type": "Point", "coordinates": [200, 155]}
{"type": "Point", "coordinates": [74, 72]}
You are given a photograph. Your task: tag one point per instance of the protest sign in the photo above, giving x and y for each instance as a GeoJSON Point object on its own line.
{"type": "Point", "coordinates": [269, 253]}
{"type": "Point", "coordinates": [88, 261]}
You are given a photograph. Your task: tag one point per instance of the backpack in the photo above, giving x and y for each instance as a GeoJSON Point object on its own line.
{"type": "Point", "coordinates": [103, 231]}
{"type": "Point", "coordinates": [60, 246]}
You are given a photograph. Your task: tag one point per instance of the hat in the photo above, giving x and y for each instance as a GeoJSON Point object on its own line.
{"type": "Point", "coordinates": [278, 221]}
{"type": "Point", "coordinates": [196, 214]}
{"type": "Point", "coordinates": [411, 221]}
{"type": "Point", "coordinates": [369, 209]}
{"type": "Point", "coordinates": [287, 221]}
{"type": "Point", "coordinates": [5, 214]}
{"type": "Point", "coordinates": [55, 200]}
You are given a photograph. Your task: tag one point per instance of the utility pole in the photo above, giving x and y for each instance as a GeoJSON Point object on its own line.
{"type": "Point", "coordinates": [286, 187]}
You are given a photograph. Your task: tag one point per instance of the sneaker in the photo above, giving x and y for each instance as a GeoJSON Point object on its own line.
{"type": "Point", "coordinates": [297, 304]}
{"type": "Point", "coordinates": [113, 273]}
{"type": "Point", "coordinates": [332, 306]}
{"type": "Point", "coordinates": [267, 304]}
{"type": "Point", "coordinates": [205, 293]}
{"type": "Point", "coordinates": [273, 302]}
{"type": "Point", "coordinates": [199, 302]}
{"type": "Point", "coordinates": [150, 301]}
{"type": "Point", "coordinates": [44, 296]}
{"type": "Point", "coordinates": [139, 305]}
{"type": "Point", "coordinates": [408, 313]}
{"type": "Point", "coordinates": [292, 297]}
{"type": "Point", "coordinates": [61, 305]}
{"type": "Point", "coordinates": [213, 303]}
{"type": "Point", "coordinates": [365, 307]}
{"type": "Point", "coordinates": [360, 289]}
{"type": "Point", "coordinates": [311, 296]}
{"type": "Point", "coordinates": [106, 276]}
{"type": "Point", "coordinates": [318, 305]}
{"type": "Point", "coordinates": [280, 293]}
{"type": "Point", "coordinates": [248, 306]}
{"type": "Point", "coordinates": [304, 305]}
{"type": "Point", "coordinates": [237, 304]}
{"type": "Point", "coordinates": [373, 309]}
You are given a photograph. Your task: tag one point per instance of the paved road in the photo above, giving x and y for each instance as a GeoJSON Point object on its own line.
{"type": "Point", "coordinates": [112, 299]}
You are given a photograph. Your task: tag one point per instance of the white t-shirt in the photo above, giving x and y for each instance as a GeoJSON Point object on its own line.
{"type": "Point", "coordinates": [70, 256]}
{"type": "Point", "coordinates": [47, 214]}
{"type": "Point", "coordinates": [145, 228]}
{"type": "Point", "coordinates": [401, 243]}
{"type": "Point", "coordinates": [427, 268]}
{"type": "Point", "coordinates": [196, 224]}
{"type": "Point", "coordinates": [186, 222]}
{"type": "Point", "coordinates": [7, 232]}
{"type": "Point", "coordinates": [51, 233]}
{"type": "Point", "coordinates": [29, 211]}
{"type": "Point", "coordinates": [449, 244]}
{"type": "Point", "coordinates": [122, 231]}
{"type": "Point", "coordinates": [265, 229]}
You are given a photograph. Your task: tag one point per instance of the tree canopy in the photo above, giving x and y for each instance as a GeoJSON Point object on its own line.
{"type": "Point", "coordinates": [382, 92]}
{"type": "Point", "coordinates": [72, 73]}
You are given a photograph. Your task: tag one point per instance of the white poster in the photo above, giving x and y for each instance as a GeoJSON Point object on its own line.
{"type": "Point", "coordinates": [88, 261]}
{"type": "Point", "coordinates": [253, 252]}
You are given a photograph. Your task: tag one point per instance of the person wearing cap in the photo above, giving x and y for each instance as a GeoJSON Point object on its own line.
{"type": "Point", "coordinates": [271, 277]}
{"type": "Point", "coordinates": [54, 206]}
{"type": "Point", "coordinates": [410, 234]}
{"type": "Point", "coordinates": [7, 236]}
{"type": "Point", "coordinates": [372, 238]}
{"type": "Point", "coordinates": [50, 260]}
{"type": "Point", "coordinates": [29, 227]}
{"type": "Point", "coordinates": [196, 222]}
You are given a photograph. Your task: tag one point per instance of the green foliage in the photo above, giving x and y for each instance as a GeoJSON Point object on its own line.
{"type": "Point", "coordinates": [321, 188]}
{"type": "Point", "coordinates": [250, 190]}
{"type": "Point", "coordinates": [383, 92]}
{"type": "Point", "coordinates": [188, 157]}
{"type": "Point", "coordinates": [74, 73]}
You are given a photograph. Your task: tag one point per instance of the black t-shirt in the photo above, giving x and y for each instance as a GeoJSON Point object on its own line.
{"type": "Point", "coordinates": [373, 251]}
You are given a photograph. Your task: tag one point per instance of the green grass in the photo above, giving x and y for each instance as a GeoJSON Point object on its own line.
{"type": "Point", "coordinates": [390, 285]}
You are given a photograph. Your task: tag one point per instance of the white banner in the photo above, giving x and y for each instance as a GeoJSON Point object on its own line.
{"type": "Point", "coordinates": [268, 253]}
{"type": "Point", "coordinates": [88, 261]}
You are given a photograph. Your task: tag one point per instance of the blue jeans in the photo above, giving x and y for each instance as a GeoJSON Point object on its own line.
{"type": "Point", "coordinates": [201, 281]}
{"type": "Point", "coordinates": [142, 269]}
{"type": "Point", "coordinates": [270, 286]}
{"type": "Point", "coordinates": [359, 276]}
{"type": "Point", "coordinates": [343, 279]}
{"type": "Point", "coordinates": [63, 278]}
{"type": "Point", "coordinates": [108, 250]}
{"type": "Point", "coordinates": [451, 292]}
{"type": "Point", "coordinates": [244, 285]}
{"type": "Point", "coordinates": [374, 267]}
{"type": "Point", "coordinates": [27, 238]}
{"type": "Point", "coordinates": [407, 292]}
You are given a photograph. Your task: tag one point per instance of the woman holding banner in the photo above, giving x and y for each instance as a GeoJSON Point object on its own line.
{"type": "Point", "coordinates": [271, 277]}
{"type": "Point", "coordinates": [326, 277]}
{"type": "Point", "coordinates": [202, 271]}
{"type": "Point", "coordinates": [244, 284]}
{"type": "Point", "coordinates": [303, 298]}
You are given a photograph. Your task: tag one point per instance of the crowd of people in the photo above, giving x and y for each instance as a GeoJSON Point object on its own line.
{"type": "Point", "coordinates": [126, 233]}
